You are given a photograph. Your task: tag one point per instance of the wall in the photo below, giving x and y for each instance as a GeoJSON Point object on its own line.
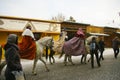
{"type": "Point", "coordinates": [72, 27]}
{"type": "Point", "coordinates": [112, 33]}
{"type": "Point", "coordinates": [94, 29]}
{"type": "Point", "coordinates": [3, 36]}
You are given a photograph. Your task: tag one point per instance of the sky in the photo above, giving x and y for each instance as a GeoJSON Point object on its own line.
{"type": "Point", "coordinates": [94, 12]}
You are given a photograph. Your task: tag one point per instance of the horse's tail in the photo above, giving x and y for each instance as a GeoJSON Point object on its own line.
{"type": "Point", "coordinates": [61, 54]}
{"type": "Point", "coordinates": [2, 65]}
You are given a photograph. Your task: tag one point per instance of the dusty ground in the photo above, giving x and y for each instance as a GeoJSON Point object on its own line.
{"type": "Point", "coordinates": [109, 70]}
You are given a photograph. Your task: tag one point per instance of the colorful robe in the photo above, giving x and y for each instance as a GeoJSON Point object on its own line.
{"type": "Point", "coordinates": [27, 45]}
{"type": "Point", "coordinates": [27, 48]}
{"type": "Point", "coordinates": [76, 45]}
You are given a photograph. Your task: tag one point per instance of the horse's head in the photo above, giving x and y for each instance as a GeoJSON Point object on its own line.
{"type": "Point", "coordinates": [57, 46]}
{"type": "Point", "coordinates": [50, 42]}
{"type": "Point", "coordinates": [89, 39]}
{"type": "Point", "coordinates": [46, 41]}
{"type": "Point", "coordinates": [63, 36]}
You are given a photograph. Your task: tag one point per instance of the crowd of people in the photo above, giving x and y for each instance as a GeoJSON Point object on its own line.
{"type": "Point", "coordinates": [97, 47]}
{"type": "Point", "coordinates": [14, 51]}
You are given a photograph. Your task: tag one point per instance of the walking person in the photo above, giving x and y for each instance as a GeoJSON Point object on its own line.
{"type": "Point", "coordinates": [12, 58]}
{"type": "Point", "coordinates": [115, 45]}
{"type": "Point", "coordinates": [101, 48]}
{"type": "Point", "coordinates": [94, 50]}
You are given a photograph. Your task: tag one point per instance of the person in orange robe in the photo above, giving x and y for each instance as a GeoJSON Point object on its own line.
{"type": "Point", "coordinates": [27, 45]}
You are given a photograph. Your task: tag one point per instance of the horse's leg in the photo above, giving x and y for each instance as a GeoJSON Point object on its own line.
{"type": "Point", "coordinates": [89, 59]}
{"type": "Point", "coordinates": [53, 59]}
{"type": "Point", "coordinates": [2, 65]}
{"type": "Point", "coordinates": [46, 52]}
{"type": "Point", "coordinates": [85, 56]}
{"type": "Point", "coordinates": [50, 59]}
{"type": "Point", "coordinates": [70, 59]}
{"type": "Point", "coordinates": [51, 56]}
{"type": "Point", "coordinates": [65, 59]}
{"type": "Point", "coordinates": [61, 54]}
{"type": "Point", "coordinates": [34, 66]}
{"type": "Point", "coordinates": [44, 63]}
{"type": "Point", "coordinates": [82, 58]}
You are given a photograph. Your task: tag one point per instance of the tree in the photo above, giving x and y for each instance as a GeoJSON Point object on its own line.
{"type": "Point", "coordinates": [59, 17]}
{"type": "Point", "coordinates": [71, 19]}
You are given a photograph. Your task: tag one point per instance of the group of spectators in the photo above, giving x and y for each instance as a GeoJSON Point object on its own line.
{"type": "Point", "coordinates": [99, 47]}
{"type": "Point", "coordinates": [95, 48]}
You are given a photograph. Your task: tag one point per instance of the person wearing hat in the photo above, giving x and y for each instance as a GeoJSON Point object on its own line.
{"type": "Point", "coordinates": [76, 45]}
{"type": "Point", "coordinates": [12, 57]}
{"type": "Point", "coordinates": [27, 45]}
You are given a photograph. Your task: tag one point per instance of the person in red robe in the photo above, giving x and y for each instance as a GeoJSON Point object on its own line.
{"type": "Point", "coordinates": [27, 45]}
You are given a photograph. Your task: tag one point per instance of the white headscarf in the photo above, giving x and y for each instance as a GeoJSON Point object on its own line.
{"type": "Point", "coordinates": [28, 32]}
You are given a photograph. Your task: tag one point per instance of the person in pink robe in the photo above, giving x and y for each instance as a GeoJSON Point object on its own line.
{"type": "Point", "coordinates": [76, 45]}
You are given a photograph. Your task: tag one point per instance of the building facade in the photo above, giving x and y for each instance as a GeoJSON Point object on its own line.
{"type": "Point", "coordinates": [43, 28]}
{"type": "Point", "coordinates": [16, 25]}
